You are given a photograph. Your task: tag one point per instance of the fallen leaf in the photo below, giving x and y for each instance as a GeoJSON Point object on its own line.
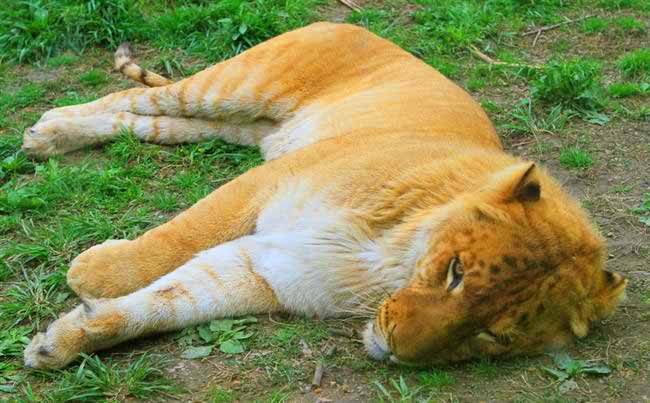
{"type": "Point", "coordinates": [231, 347]}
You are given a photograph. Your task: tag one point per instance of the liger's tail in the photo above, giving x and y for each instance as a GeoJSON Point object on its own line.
{"type": "Point", "coordinates": [124, 64]}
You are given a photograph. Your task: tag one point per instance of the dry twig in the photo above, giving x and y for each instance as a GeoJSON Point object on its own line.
{"type": "Point", "coordinates": [330, 350]}
{"type": "Point", "coordinates": [306, 351]}
{"type": "Point", "coordinates": [351, 4]}
{"type": "Point", "coordinates": [344, 332]}
{"type": "Point", "coordinates": [493, 62]}
{"type": "Point", "coordinates": [539, 30]}
{"type": "Point", "coordinates": [318, 375]}
{"type": "Point", "coordinates": [539, 33]}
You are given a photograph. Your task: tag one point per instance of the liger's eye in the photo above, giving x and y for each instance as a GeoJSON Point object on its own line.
{"type": "Point", "coordinates": [454, 273]}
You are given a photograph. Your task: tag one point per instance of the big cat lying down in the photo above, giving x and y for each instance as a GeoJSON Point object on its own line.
{"type": "Point", "coordinates": [385, 189]}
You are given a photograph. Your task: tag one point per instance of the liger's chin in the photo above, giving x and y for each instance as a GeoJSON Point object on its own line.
{"type": "Point", "coordinates": [375, 343]}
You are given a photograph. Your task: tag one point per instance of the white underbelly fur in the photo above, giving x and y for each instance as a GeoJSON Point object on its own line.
{"type": "Point", "coordinates": [318, 258]}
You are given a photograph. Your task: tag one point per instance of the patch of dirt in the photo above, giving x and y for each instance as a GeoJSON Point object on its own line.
{"type": "Point", "coordinates": [334, 12]}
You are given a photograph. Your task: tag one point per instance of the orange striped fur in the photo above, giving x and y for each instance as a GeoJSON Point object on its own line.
{"type": "Point", "coordinates": [382, 176]}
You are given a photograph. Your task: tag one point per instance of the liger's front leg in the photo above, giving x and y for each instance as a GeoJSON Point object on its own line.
{"type": "Point", "coordinates": [219, 282]}
{"type": "Point", "coordinates": [117, 268]}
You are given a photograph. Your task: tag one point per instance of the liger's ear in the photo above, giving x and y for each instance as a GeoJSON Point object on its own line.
{"type": "Point", "coordinates": [608, 293]}
{"type": "Point", "coordinates": [519, 183]}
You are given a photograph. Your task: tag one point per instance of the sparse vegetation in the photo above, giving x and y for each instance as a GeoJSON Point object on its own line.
{"type": "Point", "coordinates": [404, 393]}
{"type": "Point", "coordinates": [624, 90]}
{"type": "Point", "coordinates": [221, 395]}
{"type": "Point", "coordinates": [436, 379]}
{"type": "Point", "coordinates": [229, 335]}
{"type": "Point", "coordinates": [26, 96]}
{"type": "Point", "coordinates": [545, 102]}
{"type": "Point", "coordinates": [33, 30]}
{"type": "Point", "coordinates": [643, 210]}
{"type": "Point", "coordinates": [93, 78]}
{"type": "Point", "coordinates": [567, 369]}
{"type": "Point", "coordinates": [62, 60]}
{"type": "Point", "coordinates": [636, 63]}
{"type": "Point", "coordinates": [96, 380]}
{"type": "Point", "coordinates": [595, 25]}
{"type": "Point", "coordinates": [523, 120]}
{"type": "Point", "coordinates": [573, 157]}
{"type": "Point", "coordinates": [573, 84]}
{"type": "Point", "coordinates": [629, 25]}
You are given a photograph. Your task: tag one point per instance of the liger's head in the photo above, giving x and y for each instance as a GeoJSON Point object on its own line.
{"type": "Point", "coordinates": [513, 268]}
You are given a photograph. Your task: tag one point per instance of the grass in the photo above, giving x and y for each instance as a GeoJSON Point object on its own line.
{"type": "Point", "coordinates": [638, 5]}
{"type": "Point", "coordinates": [643, 210]}
{"type": "Point", "coordinates": [94, 379]}
{"type": "Point", "coordinates": [14, 341]}
{"type": "Point", "coordinates": [404, 393]}
{"type": "Point", "coordinates": [624, 25]}
{"type": "Point", "coordinates": [573, 84]}
{"type": "Point", "coordinates": [573, 157]}
{"type": "Point", "coordinates": [485, 368]}
{"type": "Point", "coordinates": [37, 30]}
{"type": "Point", "coordinates": [629, 25]}
{"type": "Point", "coordinates": [221, 395]}
{"type": "Point", "coordinates": [595, 25]}
{"type": "Point", "coordinates": [27, 95]}
{"type": "Point", "coordinates": [624, 90]}
{"type": "Point", "coordinates": [436, 380]}
{"type": "Point", "coordinates": [645, 297]}
{"type": "Point", "coordinates": [36, 297]}
{"type": "Point", "coordinates": [73, 98]}
{"type": "Point", "coordinates": [62, 60]}
{"type": "Point", "coordinates": [58, 53]}
{"type": "Point", "coordinates": [93, 78]}
{"type": "Point", "coordinates": [636, 63]}
{"type": "Point", "coordinates": [32, 30]}
{"type": "Point", "coordinates": [523, 120]}
{"type": "Point", "coordinates": [285, 343]}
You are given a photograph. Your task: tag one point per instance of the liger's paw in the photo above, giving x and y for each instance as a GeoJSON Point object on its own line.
{"type": "Point", "coordinates": [40, 141]}
{"type": "Point", "coordinates": [57, 347]}
{"type": "Point", "coordinates": [40, 354]}
{"type": "Point", "coordinates": [98, 271]}
{"type": "Point", "coordinates": [44, 138]}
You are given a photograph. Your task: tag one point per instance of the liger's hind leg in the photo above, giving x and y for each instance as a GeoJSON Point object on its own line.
{"type": "Point", "coordinates": [224, 95]}
{"type": "Point", "coordinates": [273, 82]}
{"type": "Point", "coordinates": [219, 282]}
{"type": "Point", "coordinates": [76, 132]}
{"type": "Point", "coordinates": [242, 89]}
